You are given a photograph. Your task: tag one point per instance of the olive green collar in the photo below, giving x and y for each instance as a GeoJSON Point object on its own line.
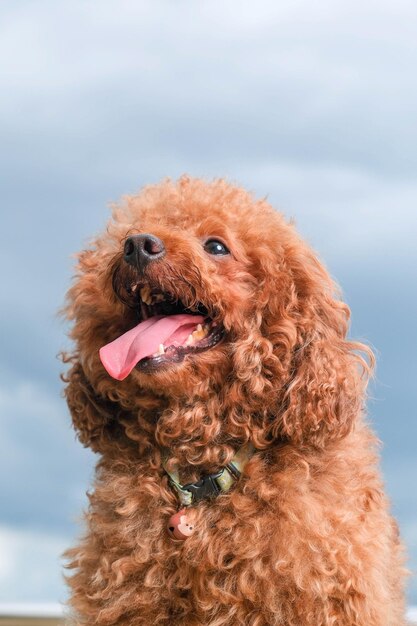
{"type": "Point", "coordinates": [210, 485]}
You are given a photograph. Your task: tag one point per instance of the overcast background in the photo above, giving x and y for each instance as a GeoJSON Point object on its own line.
{"type": "Point", "coordinates": [312, 103]}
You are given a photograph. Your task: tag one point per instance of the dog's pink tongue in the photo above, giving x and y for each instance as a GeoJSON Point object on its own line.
{"type": "Point", "coordinates": [121, 355]}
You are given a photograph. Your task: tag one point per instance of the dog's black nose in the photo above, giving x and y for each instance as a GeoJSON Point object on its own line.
{"type": "Point", "coordinates": [142, 249]}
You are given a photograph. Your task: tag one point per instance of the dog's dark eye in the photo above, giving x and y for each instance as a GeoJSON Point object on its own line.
{"type": "Point", "coordinates": [213, 246]}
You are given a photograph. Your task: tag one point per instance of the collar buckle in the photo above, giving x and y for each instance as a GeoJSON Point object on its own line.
{"type": "Point", "coordinates": [206, 487]}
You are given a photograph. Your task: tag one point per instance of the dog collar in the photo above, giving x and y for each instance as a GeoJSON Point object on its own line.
{"type": "Point", "coordinates": [210, 485]}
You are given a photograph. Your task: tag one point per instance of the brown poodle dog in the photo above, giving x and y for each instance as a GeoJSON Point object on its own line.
{"type": "Point", "coordinates": [213, 376]}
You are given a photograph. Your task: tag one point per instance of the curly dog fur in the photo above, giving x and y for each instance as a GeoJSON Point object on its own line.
{"type": "Point", "coordinates": [305, 537]}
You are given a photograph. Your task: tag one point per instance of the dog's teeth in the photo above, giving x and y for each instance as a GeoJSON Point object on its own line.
{"type": "Point", "coordinates": [161, 349]}
{"type": "Point", "coordinates": [133, 288]}
{"type": "Point", "coordinates": [190, 340]}
{"type": "Point", "coordinates": [199, 333]}
{"type": "Point", "coordinates": [158, 297]}
{"type": "Point", "coordinates": [145, 294]}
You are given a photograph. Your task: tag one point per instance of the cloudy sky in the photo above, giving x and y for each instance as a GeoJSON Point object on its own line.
{"type": "Point", "coordinates": [312, 104]}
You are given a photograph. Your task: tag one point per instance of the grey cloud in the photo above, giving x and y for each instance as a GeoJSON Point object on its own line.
{"type": "Point", "coordinates": [326, 88]}
{"type": "Point", "coordinates": [38, 449]}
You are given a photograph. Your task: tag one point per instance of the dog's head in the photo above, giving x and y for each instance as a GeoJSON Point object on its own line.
{"type": "Point", "coordinates": [202, 310]}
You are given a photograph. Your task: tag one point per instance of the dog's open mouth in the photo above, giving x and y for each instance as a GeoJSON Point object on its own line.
{"type": "Point", "coordinates": [167, 333]}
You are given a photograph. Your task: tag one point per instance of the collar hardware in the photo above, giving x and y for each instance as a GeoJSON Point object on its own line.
{"type": "Point", "coordinates": [210, 485]}
{"type": "Point", "coordinates": [206, 487]}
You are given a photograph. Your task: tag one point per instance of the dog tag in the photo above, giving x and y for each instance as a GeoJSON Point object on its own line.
{"type": "Point", "coordinates": [180, 526]}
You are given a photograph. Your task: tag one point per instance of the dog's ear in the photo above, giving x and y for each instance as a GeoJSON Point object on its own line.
{"type": "Point", "coordinates": [326, 373]}
{"type": "Point", "coordinates": [94, 417]}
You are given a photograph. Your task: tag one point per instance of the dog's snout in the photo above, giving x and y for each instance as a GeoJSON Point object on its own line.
{"type": "Point", "coordinates": [141, 249]}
